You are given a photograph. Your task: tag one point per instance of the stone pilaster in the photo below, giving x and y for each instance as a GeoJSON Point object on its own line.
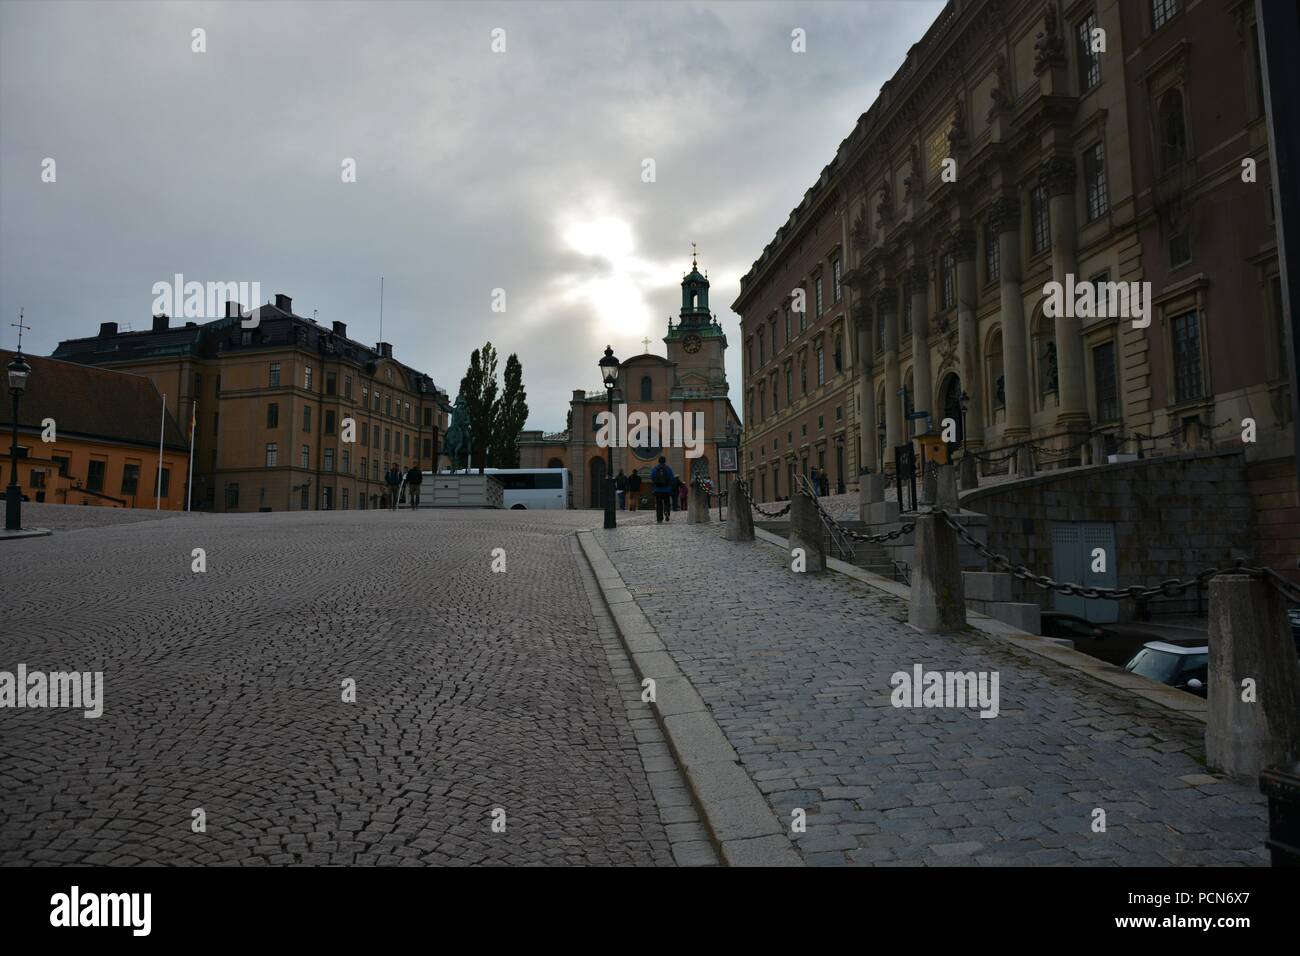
{"type": "Point", "coordinates": [867, 392]}
{"type": "Point", "coordinates": [887, 312]}
{"type": "Point", "coordinates": [923, 393]}
{"type": "Point", "coordinates": [962, 246]}
{"type": "Point", "coordinates": [1015, 352]}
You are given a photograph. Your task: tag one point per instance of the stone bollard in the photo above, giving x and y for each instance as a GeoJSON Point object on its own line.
{"type": "Point", "coordinates": [1250, 638]}
{"type": "Point", "coordinates": [806, 533]}
{"type": "Point", "coordinates": [740, 519]}
{"type": "Point", "coordinates": [697, 506]}
{"type": "Point", "coordinates": [945, 488]}
{"type": "Point", "coordinates": [1024, 461]}
{"type": "Point", "coordinates": [936, 602]}
{"type": "Point", "coordinates": [1098, 445]}
{"type": "Point", "coordinates": [871, 490]}
{"type": "Point", "coordinates": [970, 471]}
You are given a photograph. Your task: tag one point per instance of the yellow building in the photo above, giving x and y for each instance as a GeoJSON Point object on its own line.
{"type": "Point", "coordinates": [90, 436]}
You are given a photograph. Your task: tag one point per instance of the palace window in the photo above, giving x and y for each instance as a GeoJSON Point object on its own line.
{"type": "Point", "coordinates": [329, 459]}
{"type": "Point", "coordinates": [274, 378]}
{"type": "Point", "coordinates": [1089, 60]}
{"type": "Point", "coordinates": [95, 475]}
{"type": "Point", "coordinates": [232, 496]}
{"type": "Point", "coordinates": [305, 460]}
{"type": "Point", "coordinates": [347, 385]}
{"type": "Point", "coordinates": [345, 499]}
{"type": "Point", "coordinates": [1040, 236]}
{"type": "Point", "coordinates": [306, 418]}
{"type": "Point", "coordinates": [992, 254]}
{"type": "Point", "coordinates": [762, 355]}
{"type": "Point", "coordinates": [789, 385]}
{"type": "Point", "coordinates": [821, 366]}
{"type": "Point", "coordinates": [329, 422]}
{"type": "Point", "coordinates": [272, 454]}
{"type": "Point", "coordinates": [1172, 131]}
{"type": "Point", "coordinates": [162, 482]}
{"type": "Point", "coordinates": [273, 415]}
{"type": "Point", "coordinates": [1180, 250]}
{"type": "Point", "coordinates": [365, 434]}
{"type": "Point", "coordinates": [647, 388]}
{"type": "Point", "coordinates": [1094, 178]}
{"type": "Point", "coordinates": [947, 281]}
{"type": "Point", "coordinates": [130, 478]}
{"type": "Point", "coordinates": [838, 355]}
{"type": "Point", "coordinates": [331, 383]}
{"type": "Point", "coordinates": [306, 378]}
{"type": "Point", "coordinates": [347, 462]}
{"type": "Point", "coordinates": [817, 296]}
{"type": "Point", "coordinates": [1186, 330]}
{"type": "Point", "coordinates": [1162, 11]}
{"type": "Point", "coordinates": [789, 331]}
{"type": "Point", "coordinates": [1103, 370]}
{"type": "Point", "coordinates": [836, 292]}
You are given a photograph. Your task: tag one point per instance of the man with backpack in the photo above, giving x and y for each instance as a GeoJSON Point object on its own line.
{"type": "Point", "coordinates": [393, 479]}
{"type": "Point", "coordinates": [661, 480]}
{"type": "Point", "coordinates": [620, 485]}
{"type": "Point", "coordinates": [633, 490]}
{"type": "Point", "coordinates": [413, 479]}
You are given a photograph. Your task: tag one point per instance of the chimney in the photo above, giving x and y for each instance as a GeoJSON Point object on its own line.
{"type": "Point", "coordinates": [106, 329]}
{"type": "Point", "coordinates": [160, 323]}
{"type": "Point", "coordinates": [385, 349]}
{"type": "Point", "coordinates": [340, 329]}
{"type": "Point", "coordinates": [283, 302]}
{"type": "Point", "coordinates": [234, 309]}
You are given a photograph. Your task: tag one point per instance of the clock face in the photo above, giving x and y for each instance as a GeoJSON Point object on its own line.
{"type": "Point", "coordinates": [692, 343]}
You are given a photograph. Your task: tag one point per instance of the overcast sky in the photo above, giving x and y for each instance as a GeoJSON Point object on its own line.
{"type": "Point", "coordinates": [475, 170]}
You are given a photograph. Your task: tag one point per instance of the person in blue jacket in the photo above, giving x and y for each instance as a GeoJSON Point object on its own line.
{"type": "Point", "coordinates": [661, 479]}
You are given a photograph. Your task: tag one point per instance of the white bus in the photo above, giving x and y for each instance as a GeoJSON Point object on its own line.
{"type": "Point", "coordinates": [533, 487]}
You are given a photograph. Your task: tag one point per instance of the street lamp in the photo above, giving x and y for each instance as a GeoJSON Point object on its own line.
{"type": "Point", "coordinates": [969, 471]}
{"type": "Point", "coordinates": [609, 373]}
{"type": "Point", "coordinates": [18, 372]}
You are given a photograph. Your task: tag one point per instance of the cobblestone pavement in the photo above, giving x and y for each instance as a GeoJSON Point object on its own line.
{"type": "Point", "coordinates": [223, 693]}
{"type": "Point", "coordinates": [797, 668]}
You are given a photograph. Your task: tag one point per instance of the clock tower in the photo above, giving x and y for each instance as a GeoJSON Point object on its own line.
{"type": "Point", "coordinates": [696, 343]}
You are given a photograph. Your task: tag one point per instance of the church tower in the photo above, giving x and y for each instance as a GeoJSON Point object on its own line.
{"type": "Point", "coordinates": [696, 343]}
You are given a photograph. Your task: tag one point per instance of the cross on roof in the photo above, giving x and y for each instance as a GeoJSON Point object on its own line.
{"type": "Point", "coordinates": [694, 254]}
{"type": "Point", "coordinates": [646, 342]}
{"type": "Point", "coordinates": [19, 326]}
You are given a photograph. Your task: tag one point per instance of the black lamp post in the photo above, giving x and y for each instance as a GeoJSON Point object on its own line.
{"type": "Point", "coordinates": [969, 471]}
{"type": "Point", "coordinates": [609, 373]}
{"type": "Point", "coordinates": [18, 372]}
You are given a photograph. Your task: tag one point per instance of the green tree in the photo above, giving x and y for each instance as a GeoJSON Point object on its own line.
{"type": "Point", "coordinates": [509, 416]}
{"type": "Point", "coordinates": [479, 389]}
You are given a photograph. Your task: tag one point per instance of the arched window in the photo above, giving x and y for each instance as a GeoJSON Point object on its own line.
{"type": "Point", "coordinates": [1171, 131]}
{"type": "Point", "coordinates": [647, 388]}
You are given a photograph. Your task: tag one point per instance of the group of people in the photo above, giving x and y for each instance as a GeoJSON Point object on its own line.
{"type": "Point", "coordinates": [393, 478]}
{"type": "Point", "coordinates": [821, 482]}
{"type": "Point", "coordinates": [669, 490]}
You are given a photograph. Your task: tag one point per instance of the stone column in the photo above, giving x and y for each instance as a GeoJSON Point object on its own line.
{"type": "Point", "coordinates": [887, 312]}
{"type": "Point", "coordinates": [1015, 353]}
{"type": "Point", "coordinates": [867, 391]}
{"type": "Point", "coordinates": [1072, 410]}
{"type": "Point", "coordinates": [923, 394]}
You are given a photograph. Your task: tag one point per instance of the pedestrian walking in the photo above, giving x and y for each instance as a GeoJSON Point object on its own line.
{"type": "Point", "coordinates": [633, 490]}
{"type": "Point", "coordinates": [678, 486]}
{"type": "Point", "coordinates": [620, 485]}
{"type": "Point", "coordinates": [826, 483]}
{"type": "Point", "coordinates": [393, 479]}
{"type": "Point", "coordinates": [661, 481]}
{"type": "Point", "coordinates": [683, 492]}
{"type": "Point", "coordinates": [816, 484]}
{"type": "Point", "coordinates": [414, 477]}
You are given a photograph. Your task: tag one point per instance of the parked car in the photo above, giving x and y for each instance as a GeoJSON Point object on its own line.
{"type": "Point", "coordinates": [1179, 666]}
{"type": "Point", "coordinates": [1116, 643]}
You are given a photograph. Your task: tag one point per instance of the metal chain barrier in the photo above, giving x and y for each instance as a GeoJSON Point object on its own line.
{"type": "Point", "coordinates": [744, 489]}
{"type": "Point", "coordinates": [1171, 588]}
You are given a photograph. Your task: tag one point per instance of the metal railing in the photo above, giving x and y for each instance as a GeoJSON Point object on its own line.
{"type": "Point", "coordinates": [839, 539]}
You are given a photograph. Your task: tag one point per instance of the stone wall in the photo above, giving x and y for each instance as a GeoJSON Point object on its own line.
{"type": "Point", "coordinates": [1173, 517]}
{"type": "Point", "coordinates": [1277, 515]}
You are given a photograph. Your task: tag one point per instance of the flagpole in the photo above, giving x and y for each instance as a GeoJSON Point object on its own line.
{"type": "Point", "coordinates": [162, 425]}
{"type": "Point", "coordinates": [189, 483]}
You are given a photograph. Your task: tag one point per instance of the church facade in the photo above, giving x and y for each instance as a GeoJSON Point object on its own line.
{"type": "Point", "coordinates": [691, 379]}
